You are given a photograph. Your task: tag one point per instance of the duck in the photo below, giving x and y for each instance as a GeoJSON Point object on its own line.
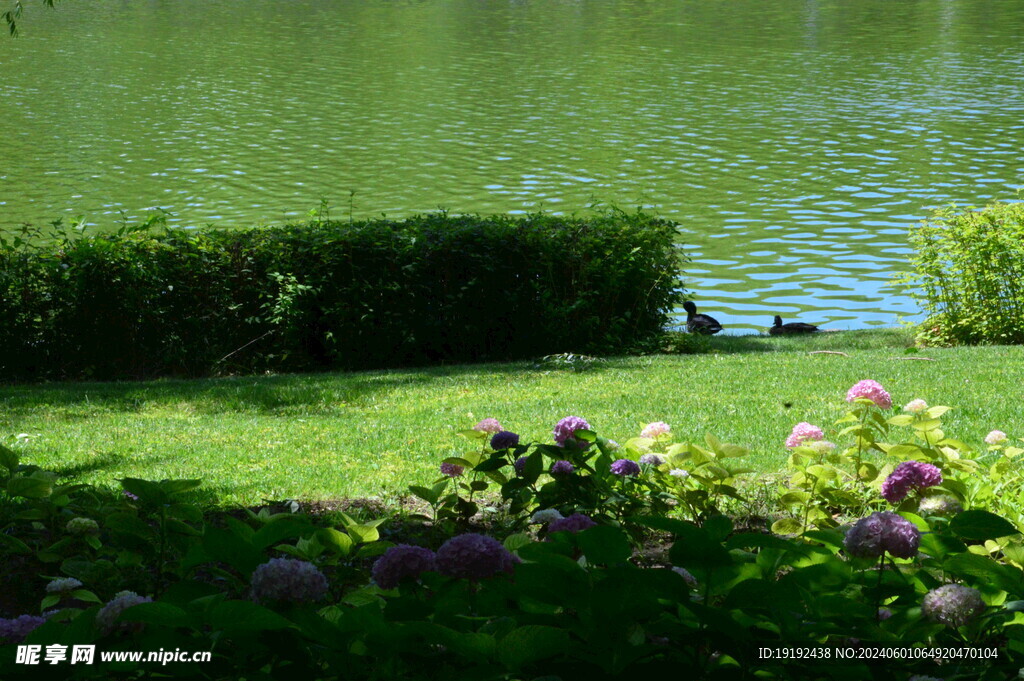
{"type": "Point", "coordinates": [791, 327]}
{"type": "Point", "coordinates": [699, 323]}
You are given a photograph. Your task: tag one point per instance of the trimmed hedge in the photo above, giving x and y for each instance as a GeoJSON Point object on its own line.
{"type": "Point", "coordinates": [381, 293]}
{"type": "Point", "coordinates": [968, 269]}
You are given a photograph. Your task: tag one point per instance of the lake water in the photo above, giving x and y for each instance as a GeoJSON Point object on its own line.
{"type": "Point", "coordinates": [794, 140]}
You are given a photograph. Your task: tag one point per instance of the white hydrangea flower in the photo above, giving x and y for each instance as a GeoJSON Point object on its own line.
{"type": "Point", "coordinates": [545, 516]}
{"type": "Point", "coordinates": [62, 585]}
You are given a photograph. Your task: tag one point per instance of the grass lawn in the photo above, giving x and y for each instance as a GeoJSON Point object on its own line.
{"type": "Point", "coordinates": [373, 433]}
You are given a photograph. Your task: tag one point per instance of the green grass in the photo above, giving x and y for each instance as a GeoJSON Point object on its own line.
{"type": "Point", "coordinates": [373, 433]}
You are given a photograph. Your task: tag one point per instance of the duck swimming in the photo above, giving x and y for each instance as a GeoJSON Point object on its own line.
{"type": "Point", "coordinates": [699, 323]}
{"type": "Point", "coordinates": [790, 328]}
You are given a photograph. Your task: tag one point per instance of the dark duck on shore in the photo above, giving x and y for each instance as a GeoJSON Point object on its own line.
{"type": "Point", "coordinates": [699, 323]}
{"type": "Point", "coordinates": [791, 327]}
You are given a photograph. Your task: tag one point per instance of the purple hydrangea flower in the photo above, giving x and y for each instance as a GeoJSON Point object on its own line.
{"type": "Point", "coordinates": [106, 618]}
{"type": "Point", "coordinates": [803, 432]}
{"type": "Point", "coordinates": [506, 439]}
{"type": "Point", "coordinates": [562, 468]}
{"type": "Point", "coordinates": [452, 470]}
{"type": "Point", "coordinates": [907, 476]}
{"type": "Point", "coordinates": [952, 604]}
{"type": "Point", "coordinates": [288, 580]}
{"type": "Point", "coordinates": [474, 556]}
{"type": "Point", "coordinates": [567, 427]}
{"type": "Point", "coordinates": [489, 425]}
{"type": "Point", "coordinates": [652, 459]}
{"type": "Point", "coordinates": [880, 532]}
{"type": "Point", "coordinates": [624, 467]}
{"type": "Point", "coordinates": [577, 522]}
{"type": "Point", "coordinates": [883, 614]}
{"type": "Point", "coordinates": [402, 562]}
{"type": "Point", "coordinates": [131, 496]}
{"type": "Point", "coordinates": [871, 390]}
{"type": "Point", "coordinates": [15, 630]}
{"type": "Point", "coordinates": [520, 466]}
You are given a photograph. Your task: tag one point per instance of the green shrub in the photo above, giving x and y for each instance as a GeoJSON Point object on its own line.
{"type": "Point", "coordinates": [968, 268]}
{"type": "Point", "coordinates": [329, 295]}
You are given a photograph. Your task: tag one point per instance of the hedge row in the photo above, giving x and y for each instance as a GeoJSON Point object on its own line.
{"type": "Point", "coordinates": [968, 269]}
{"type": "Point", "coordinates": [331, 295]}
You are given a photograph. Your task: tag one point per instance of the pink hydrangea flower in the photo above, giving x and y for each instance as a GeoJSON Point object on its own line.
{"type": "Point", "coordinates": [996, 437]}
{"type": "Point", "coordinates": [567, 427]}
{"type": "Point", "coordinates": [653, 430]}
{"type": "Point", "coordinates": [916, 406]}
{"type": "Point", "coordinates": [489, 425]}
{"type": "Point", "coordinates": [870, 390]}
{"type": "Point", "coordinates": [801, 433]}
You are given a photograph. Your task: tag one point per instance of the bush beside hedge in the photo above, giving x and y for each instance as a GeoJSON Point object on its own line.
{"type": "Point", "coordinates": [332, 295]}
{"type": "Point", "coordinates": [968, 268]}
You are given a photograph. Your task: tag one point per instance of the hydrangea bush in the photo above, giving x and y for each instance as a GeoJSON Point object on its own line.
{"type": "Point", "coordinates": [882, 541]}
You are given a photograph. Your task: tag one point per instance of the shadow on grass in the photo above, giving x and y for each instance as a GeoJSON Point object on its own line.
{"type": "Point", "coordinates": [834, 341]}
{"type": "Point", "coordinates": [282, 394]}
{"type": "Point", "coordinates": [295, 394]}
{"type": "Point", "coordinates": [97, 463]}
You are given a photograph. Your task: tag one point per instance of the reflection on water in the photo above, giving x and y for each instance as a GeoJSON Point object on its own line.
{"type": "Point", "coordinates": [794, 141]}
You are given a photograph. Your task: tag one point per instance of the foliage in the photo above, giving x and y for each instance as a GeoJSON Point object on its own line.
{"type": "Point", "coordinates": [146, 301]}
{"type": "Point", "coordinates": [968, 266]}
{"type": "Point", "coordinates": [12, 15]}
{"type": "Point", "coordinates": [575, 601]}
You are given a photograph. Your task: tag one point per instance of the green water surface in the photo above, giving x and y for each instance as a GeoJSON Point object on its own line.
{"type": "Point", "coordinates": [795, 140]}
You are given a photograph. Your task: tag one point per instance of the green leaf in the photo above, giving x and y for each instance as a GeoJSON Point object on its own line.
{"type": "Point", "coordinates": [695, 547]}
{"type": "Point", "coordinates": [604, 544]}
{"type": "Point", "coordinates": [532, 643]}
{"type": "Point", "coordinates": [174, 487]}
{"type": "Point", "coordinates": [14, 544]}
{"type": "Point", "coordinates": [8, 458]}
{"type": "Point", "coordinates": [719, 527]}
{"type": "Point", "coordinates": [85, 595]}
{"type": "Point", "coordinates": [147, 492]}
{"type": "Point", "coordinates": [787, 526]}
{"type": "Point", "coordinates": [977, 525]}
{"type": "Point", "coordinates": [30, 487]}
{"type": "Point", "coordinates": [163, 614]}
{"type": "Point", "coordinates": [339, 542]}
{"type": "Point", "coordinates": [427, 495]}
{"type": "Point", "coordinates": [245, 616]}
{"type": "Point", "coordinates": [364, 533]}
{"type": "Point", "coordinates": [491, 464]}
{"type": "Point", "coordinates": [515, 542]}
{"type": "Point", "coordinates": [229, 548]}
{"type": "Point", "coordinates": [796, 498]}
{"type": "Point", "coordinates": [901, 420]}
{"type": "Point", "coordinates": [281, 528]}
